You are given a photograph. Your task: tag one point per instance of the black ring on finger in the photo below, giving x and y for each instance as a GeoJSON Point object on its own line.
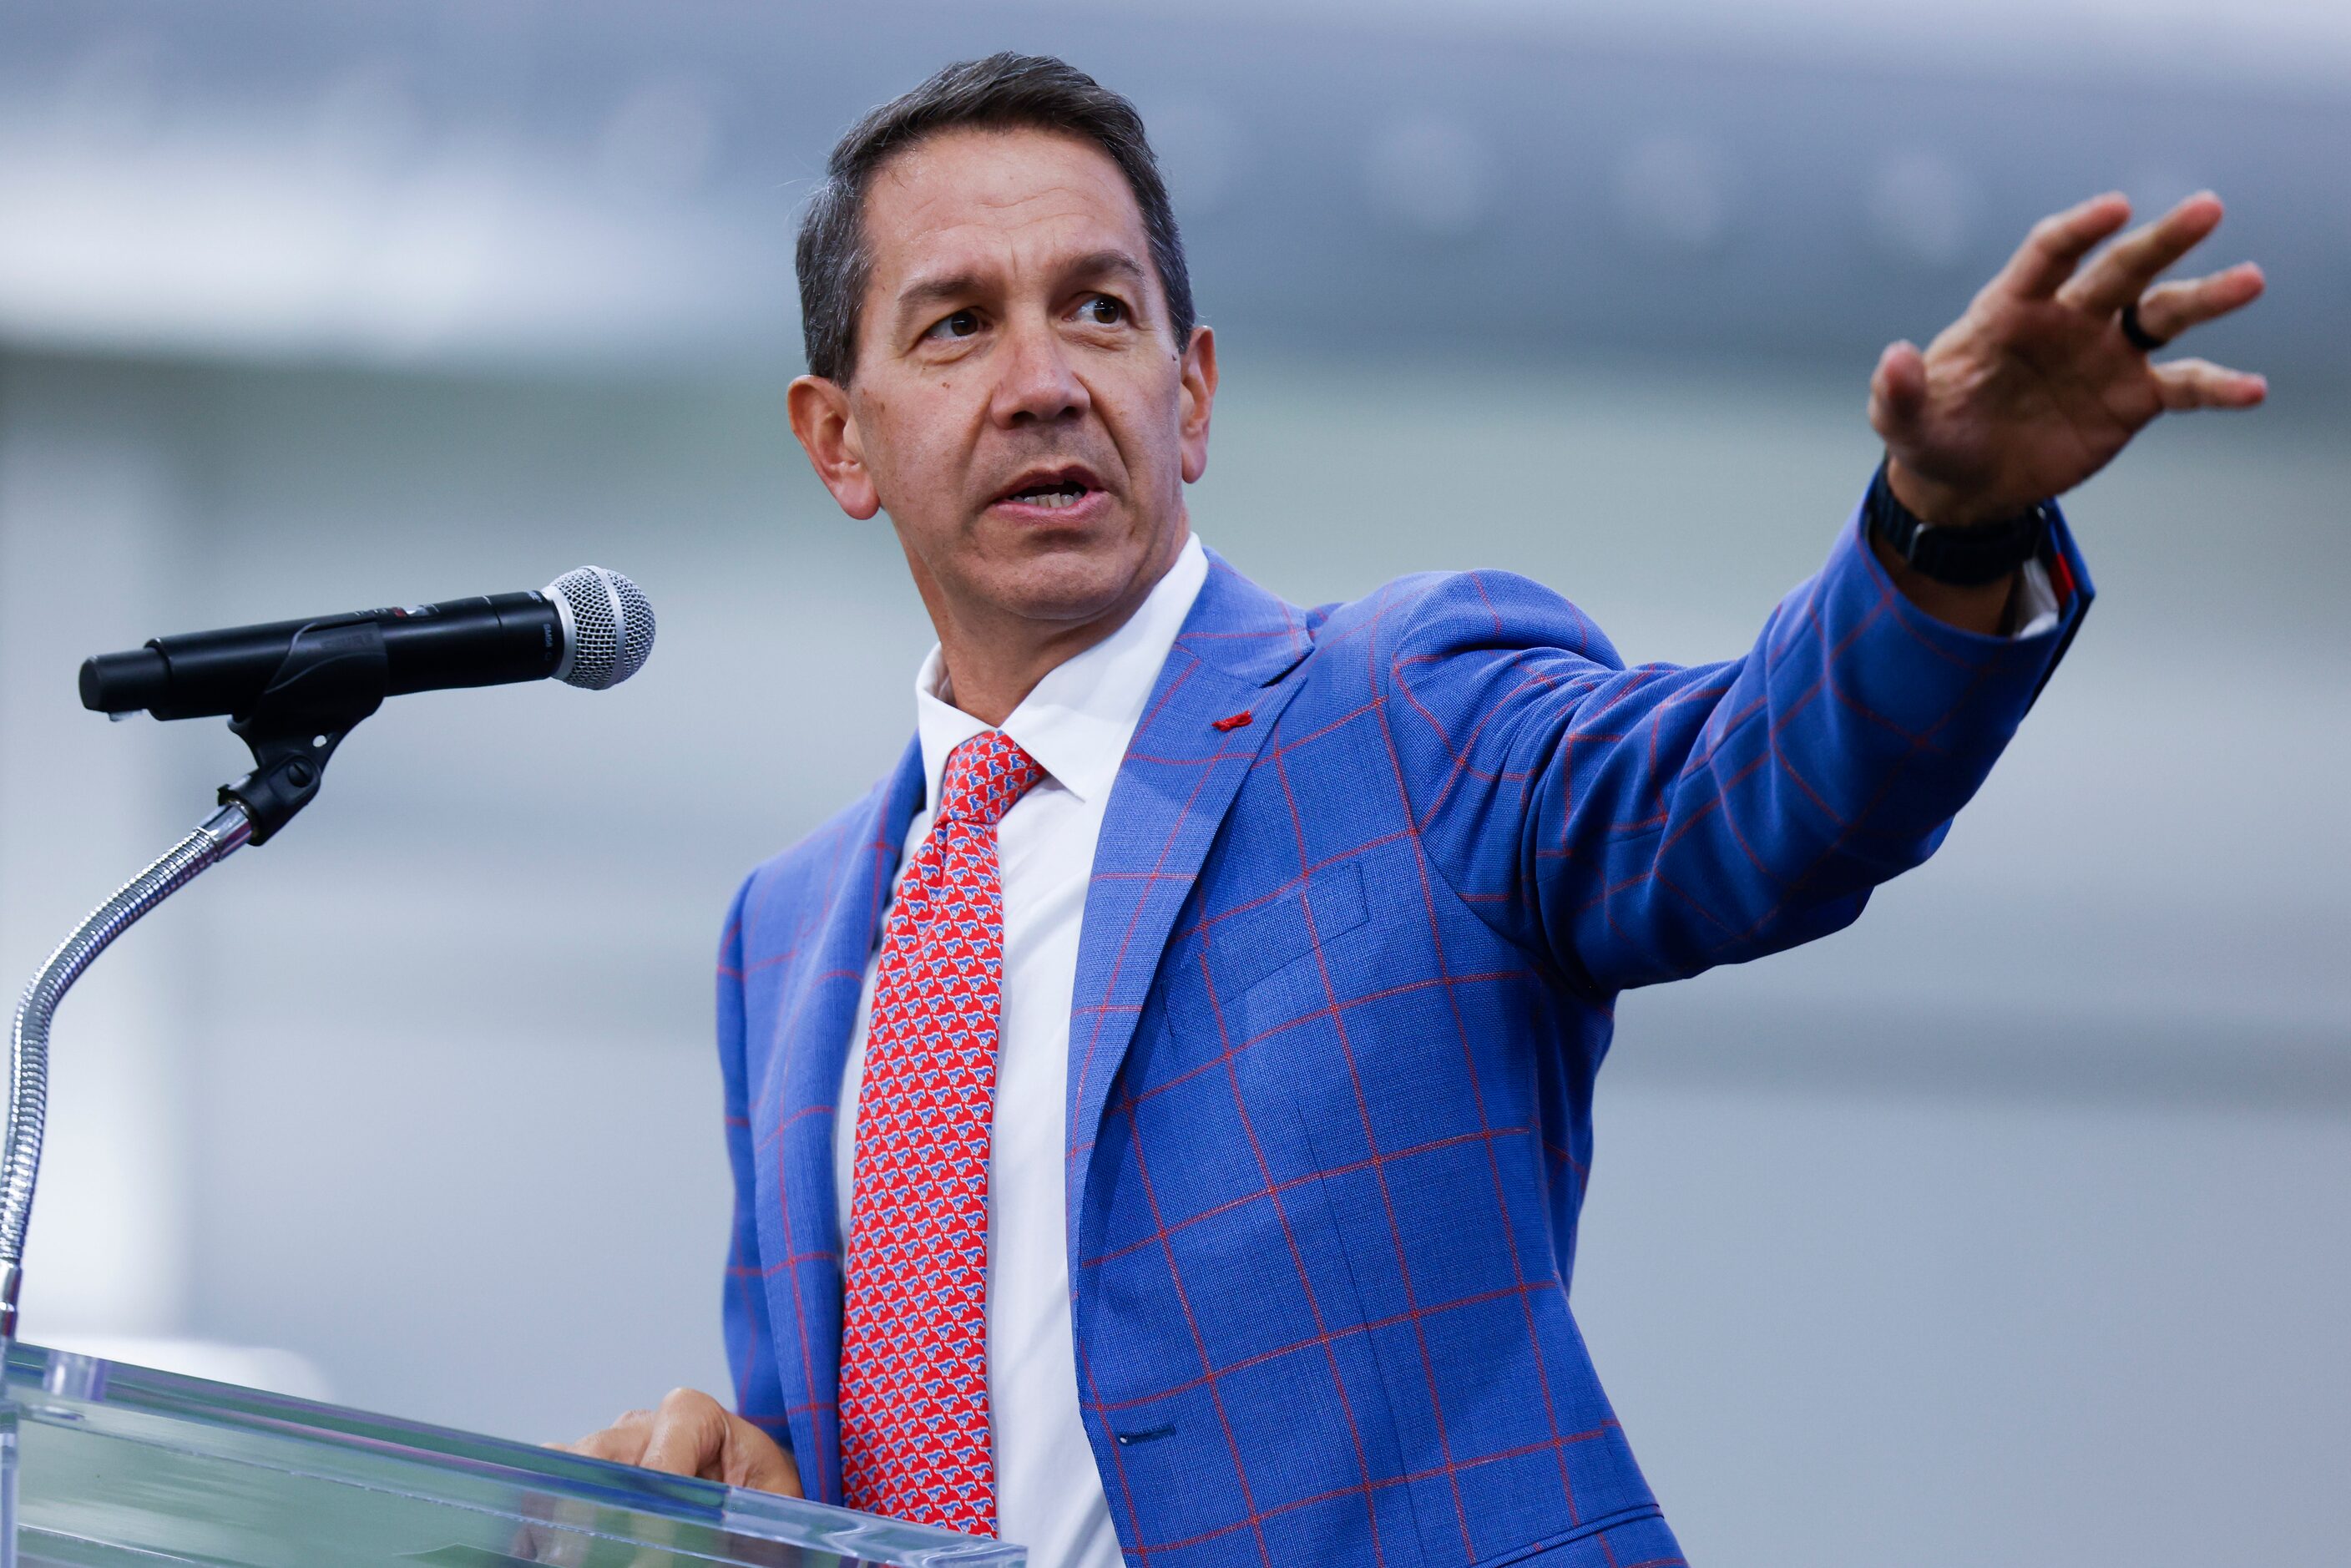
{"type": "Point", "coordinates": [2145, 341]}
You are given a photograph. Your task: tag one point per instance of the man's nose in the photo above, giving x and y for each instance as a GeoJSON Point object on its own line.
{"type": "Point", "coordinates": [1038, 385]}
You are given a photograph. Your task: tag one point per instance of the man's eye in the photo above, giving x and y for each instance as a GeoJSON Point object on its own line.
{"type": "Point", "coordinates": [1103, 312]}
{"type": "Point", "coordinates": [962, 324]}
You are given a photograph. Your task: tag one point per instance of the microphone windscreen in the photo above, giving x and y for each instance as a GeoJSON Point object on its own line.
{"type": "Point", "coordinates": [608, 625]}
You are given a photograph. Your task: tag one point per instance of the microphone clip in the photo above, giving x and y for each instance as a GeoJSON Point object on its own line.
{"type": "Point", "coordinates": [334, 675]}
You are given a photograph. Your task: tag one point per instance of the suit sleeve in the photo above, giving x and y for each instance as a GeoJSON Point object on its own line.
{"type": "Point", "coordinates": [750, 1344]}
{"type": "Point", "coordinates": [1639, 825]}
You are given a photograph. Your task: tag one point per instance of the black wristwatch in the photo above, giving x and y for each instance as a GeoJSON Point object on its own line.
{"type": "Point", "coordinates": [1966, 558]}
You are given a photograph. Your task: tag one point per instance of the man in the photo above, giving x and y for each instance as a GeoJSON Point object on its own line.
{"type": "Point", "coordinates": [1160, 1109]}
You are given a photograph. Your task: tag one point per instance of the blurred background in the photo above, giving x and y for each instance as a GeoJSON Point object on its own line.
{"type": "Point", "coordinates": [2013, 1225]}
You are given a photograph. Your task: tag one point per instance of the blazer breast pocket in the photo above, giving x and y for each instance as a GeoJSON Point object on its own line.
{"type": "Point", "coordinates": [1233, 986]}
{"type": "Point", "coordinates": [1260, 961]}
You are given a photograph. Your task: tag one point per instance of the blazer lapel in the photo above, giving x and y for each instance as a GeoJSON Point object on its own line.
{"type": "Point", "coordinates": [800, 1233]}
{"type": "Point", "coordinates": [1183, 767]}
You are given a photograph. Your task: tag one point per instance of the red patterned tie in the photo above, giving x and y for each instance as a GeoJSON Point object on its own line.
{"type": "Point", "coordinates": [913, 1354]}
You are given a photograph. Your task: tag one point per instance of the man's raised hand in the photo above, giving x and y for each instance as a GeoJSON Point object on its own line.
{"type": "Point", "coordinates": [2037, 386]}
{"type": "Point", "coordinates": [691, 1434]}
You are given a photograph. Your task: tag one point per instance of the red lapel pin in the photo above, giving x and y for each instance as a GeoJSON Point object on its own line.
{"type": "Point", "coordinates": [1231, 721]}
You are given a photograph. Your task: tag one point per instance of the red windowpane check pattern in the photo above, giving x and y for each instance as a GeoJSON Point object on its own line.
{"type": "Point", "coordinates": [914, 1356]}
{"type": "Point", "coordinates": [1346, 976]}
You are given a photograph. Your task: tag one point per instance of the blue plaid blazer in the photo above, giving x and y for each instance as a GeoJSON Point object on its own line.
{"type": "Point", "coordinates": [1370, 878]}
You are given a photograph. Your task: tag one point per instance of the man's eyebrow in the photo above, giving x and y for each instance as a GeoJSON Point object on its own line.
{"type": "Point", "coordinates": [927, 293]}
{"type": "Point", "coordinates": [1108, 264]}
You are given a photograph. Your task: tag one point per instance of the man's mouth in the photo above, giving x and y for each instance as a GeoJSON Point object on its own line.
{"type": "Point", "coordinates": [1066, 493]}
{"type": "Point", "coordinates": [1052, 490]}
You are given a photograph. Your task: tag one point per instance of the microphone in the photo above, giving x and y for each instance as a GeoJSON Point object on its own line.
{"type": "Point", "coordinates": [588, 628]}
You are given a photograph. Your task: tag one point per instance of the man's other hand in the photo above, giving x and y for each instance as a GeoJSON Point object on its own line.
{"type": "Point", "coordinates": [2038, 386]}
{"type": "Point", "coordinates": [691, 1434]}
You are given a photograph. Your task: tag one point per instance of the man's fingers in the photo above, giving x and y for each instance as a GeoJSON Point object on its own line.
{"type": "Point", "coordinates": [753, 1459]}
{"type": "Point", "coordinates": [2200, 383]}
{"type": "Point", "coordinates": [622, 1442]}
{"type": "Point", "coordinates": [2057, 243]}
{"type": "Point", "coordinates": [2170, 309]}
{"type": "Point", "coordinates": [693, 1435]}
{"type": "Point", "coordinates": [689, 1434]}
{"type": "Point", "coordinates": [1898, 388]}
{"type": "Point", "coordinates": [2140, 257]}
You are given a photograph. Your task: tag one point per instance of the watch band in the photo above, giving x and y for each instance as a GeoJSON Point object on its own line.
{"type": "Point", "coordinates": [1965, 557]}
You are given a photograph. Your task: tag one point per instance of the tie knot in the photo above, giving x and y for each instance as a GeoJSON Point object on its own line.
{"type": "Point", "coordinates": [984, 776]}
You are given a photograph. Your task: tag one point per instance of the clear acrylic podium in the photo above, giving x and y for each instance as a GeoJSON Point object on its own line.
{"type": "Point", "coordinates": [110, 1465]}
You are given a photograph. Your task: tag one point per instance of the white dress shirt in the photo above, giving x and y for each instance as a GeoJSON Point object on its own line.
{"type": "Point", "coordinates": [1076, 724]}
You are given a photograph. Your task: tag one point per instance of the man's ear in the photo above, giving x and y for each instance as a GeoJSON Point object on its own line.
{"type": "Point", "coordinates": [1199, 396]}
{"type": "Point", "coordinates": [827, 429]}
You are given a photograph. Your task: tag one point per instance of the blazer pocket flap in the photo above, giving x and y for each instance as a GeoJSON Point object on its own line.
{"type": "Point", "coordinates": [1244, 948]}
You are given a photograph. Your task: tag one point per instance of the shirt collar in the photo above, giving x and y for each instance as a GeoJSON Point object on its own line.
{"type": "Point", "coordinates": [1076, 722]}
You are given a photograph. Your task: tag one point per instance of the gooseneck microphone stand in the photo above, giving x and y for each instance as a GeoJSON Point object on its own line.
{"type": "Point", "coordinates": [333, 676]}
{"type": "Point", "coordinates": [228, 831]}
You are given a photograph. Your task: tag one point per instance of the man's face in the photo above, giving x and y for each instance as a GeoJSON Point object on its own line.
{"type": "Point", "coordinates": [1018, 404]}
